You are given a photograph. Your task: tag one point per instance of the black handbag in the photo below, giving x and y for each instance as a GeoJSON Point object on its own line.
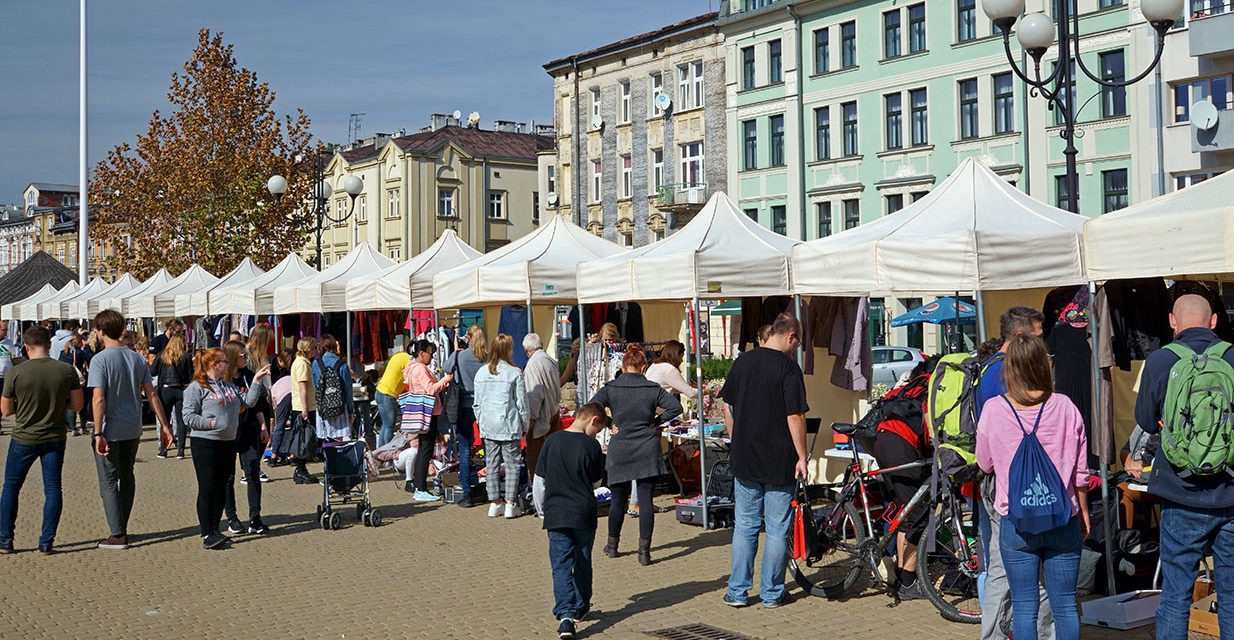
{"type": "Point", "coordinates": [451, 395]}
{"type": "Point", "coordinates": [301, 442]}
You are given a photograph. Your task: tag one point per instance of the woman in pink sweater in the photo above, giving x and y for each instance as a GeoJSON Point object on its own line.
{"type": "Point", "coordinates": [1056, 553]}
{"type": "Point", "coordinates": [420, 379]}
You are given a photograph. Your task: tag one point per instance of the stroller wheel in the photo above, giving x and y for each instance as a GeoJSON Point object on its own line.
{"type": "Point", "coordinates": [365, 519]}
{"type": "Point", "coordinates": [374, 517]}
{"type": "Point", "coordinates": [324, 519]}
{"type": "Point", "coordinates": [336, 520]}
{"type": "Point", "coordinates": [359, 512]}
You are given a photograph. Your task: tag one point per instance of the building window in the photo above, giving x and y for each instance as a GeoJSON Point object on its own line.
{"type": "Point", "coordinates": [60, 255]}
{"type": "Point", "coordinates": [341, 212]}
{"type": "Point", "coordinates": [920, 123]}
{"type": "Point", "coordinates": [395, 252]}
{"type": "Point", "coordinates": [916, 28]}
{"type": "Point", "coordinates": [966, 20]}
{"type": "Point", "coordinates": [852, 213]}
{"type": "Point", "coordinates": [891, 34]}
{"type": "Point", "coordinates": [895, 202]}
{"type": "Point", "coordinates": [325, 260]}
{"type": "Point", "coordinates": [752, 214]}
{"type": "Point", "coordinates": [1004, 104]}
{"type": "Point", "coordinates": [823, 209]}
{"type": "Point", "coordinates": [1105, 4]}
{"type": "Point", "coordinates": [747, 68]}
{"type": "Point", "coordinates": [445, 203]}
{"type": "Point", "coordinates": [623, 107]}
{"type": "Point", "coordinates": [779, 219]}
{"type": "Point", "coordinates": [775, 62]}
{"type": "Point", "coordinates": [822, 51]}
{"type": "Point", "coordinates": [1184, 180]}
{"type": "Point", "coordinates": [692, 164]}
{"type": "Point", "coordinates": [968, 109]}
{"type": "Point", "coordinates": [657, 235]}
{"type": "Point", "coordinates": [893, 104]}
{"type": "Point", "coordinates": [1062, 194]}
{"type": "Point", "coordinates": [392, 203]}
{"type": "Point", "coordinates": [552, 179]}
{"type": "Point", "coordinates": [822, 133]}
{"type": "Point", "coordinates": [690, 85]}
{"type": "Point", "coordinates": [1113, 99]}
{"type": "Point", "coordinates": [749, 137]}
{"type": "Point", "coordinates": [597, 180]}
{"type": "Point", "coordinates": [850, 128]}
{"type": "Point", "coordinates": [627, 176]}
{"type": "Point", "coordinates": [777, 141]}
{"type": "Point", "coordinates": [657, 168]}
{"type": "Point", "coordinates": [655, 87]}
{"type": "Point", "coordinates": [1189, 93]}
{"type": "Point", "coordinates": [595, 104]}
{"type": "Point", "coordinates": [848, 45]}
{"type": "Point", "coordinates": [1114, 189]}
{"type": "Point", "coordinates": [917, 195]}
{"type": "Point", "coordinates": [535, 207]}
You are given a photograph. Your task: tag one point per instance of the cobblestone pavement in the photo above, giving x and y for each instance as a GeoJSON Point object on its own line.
{"type": "Point", "coordinates": [429, 572]}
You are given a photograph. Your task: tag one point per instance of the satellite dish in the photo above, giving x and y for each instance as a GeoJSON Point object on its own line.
{"type": "Point", "coordinates": [1204, 115]}
{"type": "Point", "coordinates": [597, 121]}
{"type": "Point", "coordinates": [663, 102]}
{"type": "Point", "coordinates": [458, 115]}
{"type": "Point", "coordinates": [473, 118]}
{"type": "Point", "coordinates": [551, 198]}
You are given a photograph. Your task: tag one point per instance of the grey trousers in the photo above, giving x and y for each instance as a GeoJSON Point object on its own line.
{"type": "Point", "coordinates": [116, 483]}
{"type": "Point", "coordinates": [502, 454]}
{"type": "Point", "coordinates": [996, 607]}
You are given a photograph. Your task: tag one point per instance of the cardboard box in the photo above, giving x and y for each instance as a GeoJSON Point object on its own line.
{"type": "Point", "coordinates": [1122, 611]}
{"type": "Point", "coordinates": [1202, 619]}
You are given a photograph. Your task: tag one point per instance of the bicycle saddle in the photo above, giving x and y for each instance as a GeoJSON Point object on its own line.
{"type": "Point", "coordinates": [843, 428]}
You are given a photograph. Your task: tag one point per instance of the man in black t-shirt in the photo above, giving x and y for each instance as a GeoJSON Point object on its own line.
{"type": "Point", "coordinates": [175, 327]}
{"type": "Point", "coordinates": [570, 465]}
{"type": "Point", "coordinates": [765, 407]}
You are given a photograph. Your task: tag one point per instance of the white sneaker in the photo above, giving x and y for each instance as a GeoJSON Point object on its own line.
{"type": "Point", "coordinates": [510, 512]}
{"type": "Point", "coordinates": [494, 509]}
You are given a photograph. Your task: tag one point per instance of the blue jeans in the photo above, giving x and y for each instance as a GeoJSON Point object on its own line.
{"type": "Point", "coordinates": [760, 506]}
{"type": "Point", "coordinates": [1185, 532]}
{"type": "Point", "coordinates": [21, 457]}
{"type": "Point", "coordinates": [387, 408]}
{"type": "Point", "coordinates": [569, 553]}
{"type": "Point", "coordinates": [465, 435]}
{"type": "Point", "coordinates": [1054, 555]}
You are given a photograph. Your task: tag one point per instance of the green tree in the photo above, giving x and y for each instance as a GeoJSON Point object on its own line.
{"type": "Point", "coordinates": [192, 188]}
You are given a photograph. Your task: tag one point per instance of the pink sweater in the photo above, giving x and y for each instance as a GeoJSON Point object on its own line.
{"type": "Point", "coordinates": [1061, 435]}
{"type": "Point", "coordinates": [422, 381]}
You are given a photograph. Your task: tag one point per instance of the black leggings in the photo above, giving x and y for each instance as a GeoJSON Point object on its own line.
{"type": "Point", "coordinates": [212, 460]}
{"type": "Point", "coordinates": [173, 403]}
{"type": "Point", "coordinates": [621, 500]}
{"type": "Point", "coordinates": [250, 449]}
{"type": "Point", "coordinates": [426, 442]}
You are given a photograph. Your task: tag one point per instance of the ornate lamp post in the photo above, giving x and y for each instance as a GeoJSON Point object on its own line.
{"type": "Point", "coordinates": [320, 198]}
{"type": "Point", "coordinates": [1037, 33]}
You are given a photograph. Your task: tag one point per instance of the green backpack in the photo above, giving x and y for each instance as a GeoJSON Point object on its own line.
{"type": "Point", "coordinates": [951, 411]}
{"type": "Point", "coordinates": [1197, 434]}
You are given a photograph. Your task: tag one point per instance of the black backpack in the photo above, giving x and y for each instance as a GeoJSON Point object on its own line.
{"type": "Point", "coordinates": [330, 398]}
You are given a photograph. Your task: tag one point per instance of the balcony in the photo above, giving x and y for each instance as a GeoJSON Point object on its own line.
{"type": "Point", "coordinates": [1211, 23]}
{"type": "Point", "coordinates": [681, 201]}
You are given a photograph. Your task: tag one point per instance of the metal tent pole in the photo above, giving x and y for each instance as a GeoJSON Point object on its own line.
{"type": "Point", "coordinates": [980, 300]}
{"type": "Point", "coordinates": [702, 422]}
{"type": "Point", "coordinates": [580, 367]}
{"type": "Point", "coordinates": [530, 327]}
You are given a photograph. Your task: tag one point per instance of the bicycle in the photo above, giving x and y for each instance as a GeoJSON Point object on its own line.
{"type": "Point", "coordinates": [854, 530]}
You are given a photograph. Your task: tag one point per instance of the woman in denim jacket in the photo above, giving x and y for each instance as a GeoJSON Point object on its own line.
{"type": "Point", "coordinates": [503, 414]}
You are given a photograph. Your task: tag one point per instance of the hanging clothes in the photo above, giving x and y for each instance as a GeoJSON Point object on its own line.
{"type": "Point", "coordinates": [756, 312]}
{"type": "Point", "coordinates": [1065, 331]}
{"type": "Point", "coordinates": [310, 325]}
{"type": "Point", "coordinates": [628, 316]}
{"type": "Point", "coordinates": [514, 324]}
{"type": "Point", "coordinates": [842, 326]}
{"type": "Point", "coordinates": [423, 319]}
{"type": "Point", "coordinates": [1139, 313]}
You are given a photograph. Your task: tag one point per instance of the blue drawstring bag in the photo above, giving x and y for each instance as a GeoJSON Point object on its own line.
{"type": "Point", "coordinates": [1037, 499]}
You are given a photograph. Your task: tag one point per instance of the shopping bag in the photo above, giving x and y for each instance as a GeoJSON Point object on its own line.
{"type": "Point", "coordinates": [417, 412]}
{"type": "Point", "coordinates": [805, 529]}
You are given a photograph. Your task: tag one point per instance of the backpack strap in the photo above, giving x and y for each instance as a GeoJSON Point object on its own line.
{"type": "Point", "coordinates": [1217, 349]}
{"type": "Point", "coordinates": [1036, 423]}
{"type": "Point", "coordinates": [1181, 350]}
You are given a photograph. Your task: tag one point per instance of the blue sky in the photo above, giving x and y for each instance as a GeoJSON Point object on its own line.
{"type": "Point", "coordinates": [395, 61]}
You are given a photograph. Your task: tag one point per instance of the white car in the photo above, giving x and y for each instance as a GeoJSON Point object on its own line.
{"type": "Point", "coordinates": [892, 362]}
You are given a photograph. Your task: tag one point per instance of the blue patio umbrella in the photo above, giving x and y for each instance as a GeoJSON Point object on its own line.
{"type": "Point", "coordinates": [943, 310]}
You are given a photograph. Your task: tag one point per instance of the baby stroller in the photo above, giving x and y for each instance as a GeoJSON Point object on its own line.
{"type": "Point", "coordinates": [345, 479]}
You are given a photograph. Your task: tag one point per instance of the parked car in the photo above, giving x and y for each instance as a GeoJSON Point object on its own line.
{"type": "Point", "coordinates": [892, 362]}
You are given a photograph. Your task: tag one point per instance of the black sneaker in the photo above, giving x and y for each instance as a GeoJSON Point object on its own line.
{"type": "Point", "coordinates": [257, 526]}
{"type": "Point", "coordinates": [244, 480]}
{"type": "Point", "coordinates": [46, 549]}
{"type": "Point", "coordinates": [234, 526]}
{"type": "Point", "coordinates": [213, 541]}
{"type": "Point", "coordinates": [911, 592]}
{"type": "Point", "coordinates": [261, 475]}
{"type": "Point", "coordinates": [565, 630]}
{"type": "Point", "coordinates": [6, 546]}
{"type": "Point", "coordinates": [784, 599]}
{"type": "Point", "coordinates": [161, 454]}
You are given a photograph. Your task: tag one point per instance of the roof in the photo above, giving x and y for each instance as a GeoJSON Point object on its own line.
{"type": "Point", "coordinates": [53, 186]}
{"type": "Point", "coordinates": [650, 36]}
{"type": "Point", "coordinates": [69, 223]}
{"type": "Point", "coordinates": [479, 142]}
{"type": "Point", "coordinates": [30, 276]}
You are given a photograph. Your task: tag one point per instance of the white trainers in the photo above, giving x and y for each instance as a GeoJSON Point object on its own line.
{"type": "Point", "coordinates": [510, 511]}
{"type": "Point", "coordinates": [494, 509]}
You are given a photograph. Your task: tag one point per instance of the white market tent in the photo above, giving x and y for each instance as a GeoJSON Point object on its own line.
{"type": "Point", "coordinates": [12, 310]}
{"type": "Point", "coordinates": [721, 253]}
{"type": "Point", "coordinates": [973, 232]}
{"type": "Point", "coordinates": [409, 285]}
{"type": "Point", "coordinates": [326, 291]}
{"type": "Point", "coordinates": [89, 306]}
{"type": "Point", "coordinates": [119, 302]}
{"type": "Point", "coordinates": [256, 296]}
{"type": "Point", "coordinates": [194, 303]}
{"type": "Point", "coordinates": [30, 310]}
{"type": "Point", "coordinates": [53, 309]}
{"type": "Point", "coordinates": [1186, 233]}
{"type": "Point", "coordinates": [538, 267]}
{"type": "Point", "coordinates": [160, 302]}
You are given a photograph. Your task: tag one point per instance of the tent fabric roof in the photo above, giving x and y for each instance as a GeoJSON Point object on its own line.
{"type": "Point", "coordinates": [59, 310]}
{"type": "Point", "coordinates": [409, 285]}
{"type": "Point", "coordinates": [540, 266]}
{"type": "Point", "coordinates": [1187, 232]}
{"type": "Point", "coordinates": [721, 253]}
{"type": "Point", "coordinates": [972, 232]}
{"type": "Point", "coordinates": [195, 303]}
{"type": "Point", "coordinates": [12, 310]}
{"type": "Point", "coordinates": [29, 310]}
{"type": "Point", "coordinates": [160, 302]}
{"type": "Point", "coordinates": [256, 296]}
{"type": "Point", "coordinates": [30, 276]}
{"type": "Point", "coordinates": [326, 291]}
{"type": "Point", "coordinates": [119, 301]}
{"type": "Point", "coordinates": [88, 306]}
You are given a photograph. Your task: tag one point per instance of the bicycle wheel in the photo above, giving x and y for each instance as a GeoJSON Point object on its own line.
{"type": "Point", "coordinates": [841, 565]}
{"type": "Point", "coordinates": [948, 562]}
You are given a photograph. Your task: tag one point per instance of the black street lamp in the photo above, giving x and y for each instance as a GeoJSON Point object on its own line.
{"type": "Point", "coordinates": [320, 198]}
{"type": "Point", "coordinates": [1037, 33]}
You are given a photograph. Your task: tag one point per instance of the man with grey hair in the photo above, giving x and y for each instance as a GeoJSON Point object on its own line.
{"type": "Point", "coordinates": [543, 397]}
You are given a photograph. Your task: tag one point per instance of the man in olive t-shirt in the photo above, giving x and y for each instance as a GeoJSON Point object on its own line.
{"type": "Point", "coordinates": [38, 392]}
